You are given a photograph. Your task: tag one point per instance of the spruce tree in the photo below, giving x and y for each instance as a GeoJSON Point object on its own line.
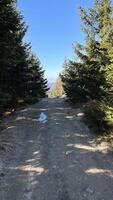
{"type": "Point", "coordinates": [18, 79]}
{"type": "Point", "coordinates": [91, 78]}
{"type": "Point", "coordinates": [106, 40]}
{"type": "Point", "coordinates": [37, 87]}
{"type": "Point", "coordinates": [13, 52]}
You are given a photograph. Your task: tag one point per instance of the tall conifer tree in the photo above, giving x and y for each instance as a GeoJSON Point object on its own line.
{"type": "Point", "coordinates": [15, 74]}
{"type": "Point", "coordinates": [91, 74]}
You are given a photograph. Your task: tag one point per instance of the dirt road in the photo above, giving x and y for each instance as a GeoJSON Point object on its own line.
{"type": "Point", "coordinates": [57, 160]}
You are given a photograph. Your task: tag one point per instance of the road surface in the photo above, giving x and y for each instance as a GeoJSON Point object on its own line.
{"type": "Point", "coordinates": [57, 160]}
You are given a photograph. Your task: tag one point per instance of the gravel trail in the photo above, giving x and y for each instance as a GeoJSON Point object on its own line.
{"type": "Point", "coordinates": [57, 160]}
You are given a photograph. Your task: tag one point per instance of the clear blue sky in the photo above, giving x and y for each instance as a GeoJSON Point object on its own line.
{"type": "Point", "coordinates": [54, 25]}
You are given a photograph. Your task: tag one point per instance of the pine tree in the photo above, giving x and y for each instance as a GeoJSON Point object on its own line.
{"type": "Point", "coordinates": [92, 74]}
{"type": "Point", "coordinates": [84, 79]}
{"type": "Point", "coordinates": [18, 79]}
{"type": "Point", "coordinates": [91, 78]}
{"type": "Point", "coordinates": [106, 40]}
{"type": "Point", "coordinates": [37, 86]}
{"type": "Point", "coordinates": [71, 81]}
{"type": "Point", "coordinates": [13, 53]}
